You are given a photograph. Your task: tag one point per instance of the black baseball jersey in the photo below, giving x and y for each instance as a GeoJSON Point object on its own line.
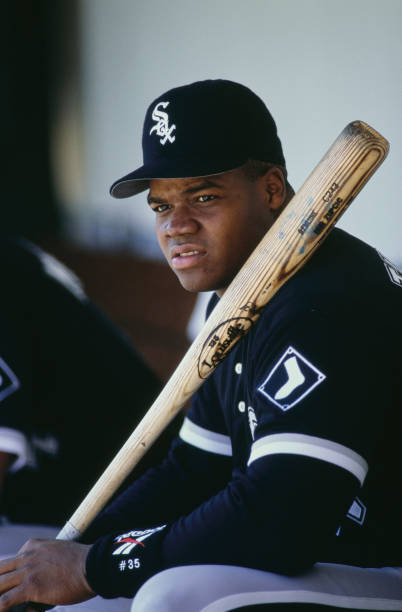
{"type": "Point", "coordinates": [72, 387]}
{"type": "Point", "coordinates": [290, 452]}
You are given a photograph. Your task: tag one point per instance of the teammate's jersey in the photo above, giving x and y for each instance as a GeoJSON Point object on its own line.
{"type": "Point", "coordinates": [72, 387]}
{"type": "Point", "coordinates": [290, 452]}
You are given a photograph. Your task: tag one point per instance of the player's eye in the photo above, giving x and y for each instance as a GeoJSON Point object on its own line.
{"type": "Point", "coordinates": [160, 208]}
{"type": "Point", "coordinates": [206, 198]}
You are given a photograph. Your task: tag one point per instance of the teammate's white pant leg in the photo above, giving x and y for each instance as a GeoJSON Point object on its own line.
{"type": "Point", "coordinates": [220, 588]}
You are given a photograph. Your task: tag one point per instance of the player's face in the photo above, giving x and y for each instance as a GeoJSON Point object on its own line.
{"type": "Point", "coordinates": [208, 226]}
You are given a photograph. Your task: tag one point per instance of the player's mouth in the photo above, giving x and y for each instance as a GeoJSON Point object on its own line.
{"type": "Point", "coordinates": [186, 256]}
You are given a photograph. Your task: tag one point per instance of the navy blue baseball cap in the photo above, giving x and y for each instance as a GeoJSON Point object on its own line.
{"type": "Point", "coordinates": [204, 128]}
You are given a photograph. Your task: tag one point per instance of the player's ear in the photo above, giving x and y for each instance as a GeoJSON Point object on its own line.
{"type": "Point", "coordinates": [275, 187]}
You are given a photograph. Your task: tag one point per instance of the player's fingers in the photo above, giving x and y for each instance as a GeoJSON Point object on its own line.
{"type": "Point", "coordinates": [11, 598]}
{"type": "Point", "coordinates": [7, 565]}
{"type": "Point", "coordinates": [9, 580]}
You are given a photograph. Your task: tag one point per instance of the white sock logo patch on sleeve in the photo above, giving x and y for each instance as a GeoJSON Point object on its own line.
{"type": "Point", "coordinates": [394, 273]}
{"type": "Point", "coordinates": [290, 380]}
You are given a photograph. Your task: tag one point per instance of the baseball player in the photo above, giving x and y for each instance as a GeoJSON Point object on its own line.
{"type": "Point", "coordinates": [71, 389]}
{"type": "Point", "coordinates": [283, 486]}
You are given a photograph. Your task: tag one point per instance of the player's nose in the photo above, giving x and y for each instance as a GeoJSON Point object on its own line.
{"type": "Point", "coordinates": [179, 222]}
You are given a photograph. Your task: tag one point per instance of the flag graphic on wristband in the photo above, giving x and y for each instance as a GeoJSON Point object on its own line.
{"type": "Point", "coordinates": [131, 539]}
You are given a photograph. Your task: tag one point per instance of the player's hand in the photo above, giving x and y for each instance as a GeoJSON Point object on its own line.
{"type": "Point", "coordinates": [45, 571]}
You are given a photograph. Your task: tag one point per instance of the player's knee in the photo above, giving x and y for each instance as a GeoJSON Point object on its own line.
{"type": "Point", "coordinates": [163, 592]}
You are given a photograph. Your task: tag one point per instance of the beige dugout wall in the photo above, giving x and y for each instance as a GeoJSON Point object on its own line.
{"type": "Point", "coordinates": [318, 64]}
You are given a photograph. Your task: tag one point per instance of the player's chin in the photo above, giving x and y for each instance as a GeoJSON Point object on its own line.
{"type": "Point", "coordinates": [195, 281]}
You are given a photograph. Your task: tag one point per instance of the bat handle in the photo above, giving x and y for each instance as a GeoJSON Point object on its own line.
{"type": "Point", "coordinates": [68, 532]}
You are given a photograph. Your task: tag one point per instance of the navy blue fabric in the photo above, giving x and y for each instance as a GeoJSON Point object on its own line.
{"type": "Point", "coordinates": [82, 385]}
{"type": "Point", "coordinates": [201, 129]}
{"type": "Point", "coordinates": [283, 511]}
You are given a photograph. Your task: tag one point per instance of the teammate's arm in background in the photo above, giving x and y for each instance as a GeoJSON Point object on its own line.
{"type": "Point", "coordinates": [5, 460]}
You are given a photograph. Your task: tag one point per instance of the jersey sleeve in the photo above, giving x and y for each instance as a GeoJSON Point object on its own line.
{"type": "Point", "coordinates": [197, 466]}
{"type": "Point", "coordinates": [309, 434]}
{"type": "Point", "coordinates": [254, 521]}
{"type": "Point", "coordinates": [313, 394]}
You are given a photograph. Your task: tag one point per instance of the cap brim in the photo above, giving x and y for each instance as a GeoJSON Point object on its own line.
{"type": "Point", "coordinates": [128, 186]}
{"type": "Point", "coordinates": [137, 181]}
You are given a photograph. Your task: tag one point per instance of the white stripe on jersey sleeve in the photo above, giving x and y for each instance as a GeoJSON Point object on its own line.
{"type": "Point", "coordinates": [310, 446]}
{"type": "Point", "coordinates": [14, 442]}
{"type": "Point", "coordinates": [205, 439]}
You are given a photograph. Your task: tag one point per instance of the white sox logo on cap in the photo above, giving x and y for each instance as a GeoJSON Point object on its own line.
{"type": "Point", "coordinates": [207, 144]}
{"type": "Point", "coordinates": [162, 124]}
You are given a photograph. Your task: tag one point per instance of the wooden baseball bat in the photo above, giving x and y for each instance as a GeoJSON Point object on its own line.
{"type": "Point", "coordinates": [289, 243]}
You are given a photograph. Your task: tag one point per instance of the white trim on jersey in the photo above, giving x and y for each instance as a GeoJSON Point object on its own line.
{"type": "Point", "coordinates": [59, 271]}
{"type": "Point", "coordinates": [205, 439]}
{"type": "Point", "coordinates": [14, 442]}
{"type": "Point", "coordinates": [310, 446]}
